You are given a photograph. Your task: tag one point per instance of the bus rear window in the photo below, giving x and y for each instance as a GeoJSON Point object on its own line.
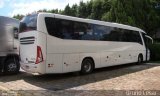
{"type": "Point", "coordinates": [28, 23]}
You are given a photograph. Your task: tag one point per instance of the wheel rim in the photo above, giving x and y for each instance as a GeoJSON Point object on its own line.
{"type": "Point", "coordinates": [87, 67]}
{"type": "Point", "coordinates": [12, 67]}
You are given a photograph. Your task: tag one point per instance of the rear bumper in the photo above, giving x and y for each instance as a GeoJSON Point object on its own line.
{"type": "Point", "coordinates": [30, 68]}
{"type": "Point", "coordinates": [33, 68]}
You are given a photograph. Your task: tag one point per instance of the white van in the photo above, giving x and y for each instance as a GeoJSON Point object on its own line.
{"type": "Point", "coordinates": [52, 43]}
{"type": "Point", "coordinates": [9, 49]}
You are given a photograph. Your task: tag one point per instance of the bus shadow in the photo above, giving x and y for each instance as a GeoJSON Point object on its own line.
{"type": "Point", "coordinates": [70, 80]}
{"type": "Point", "coordinates": [57, 82]}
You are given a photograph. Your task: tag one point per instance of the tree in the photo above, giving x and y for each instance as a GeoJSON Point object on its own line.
{"type": "Point", "coordinates": [99, 8]}
{"type": "Point", "coordinates": [67, 10]}
{"type": "Point", "coordinates": [139, 13]}
{"type": "Point", "coordinates": [82, 13]}
{"type": "Point", "coordinates": [144, 14]}
{"type": "Point", "coordinates": [54, 11]}
{"type": "Point", "coordinates": [18, 16]}
{"type": "Point", "coordinates": [74, 10]}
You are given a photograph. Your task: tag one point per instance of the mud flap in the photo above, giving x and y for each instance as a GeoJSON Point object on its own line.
{"type": "Point", "coordinates": [2, 64]}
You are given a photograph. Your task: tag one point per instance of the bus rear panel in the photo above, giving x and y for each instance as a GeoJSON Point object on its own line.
{"type": "Point", "coordinates": [32, 58]}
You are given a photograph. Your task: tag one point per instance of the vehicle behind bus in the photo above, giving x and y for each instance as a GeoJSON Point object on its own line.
{"type": "Point", "coordinates": [52, 43]}
{"type": "Point", "coordinates": [9, 50]}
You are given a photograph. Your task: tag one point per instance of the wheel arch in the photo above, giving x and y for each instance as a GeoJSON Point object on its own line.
{"type": "Point", "coordinates": [89, 57]}
{"type": "Point", "coordinates": [142, 56]}
{"type": "Point", "coordinates": [9, 56]}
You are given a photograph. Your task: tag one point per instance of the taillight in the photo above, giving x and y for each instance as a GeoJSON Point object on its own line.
{"type": "Point", "coordinates": [39, 55]}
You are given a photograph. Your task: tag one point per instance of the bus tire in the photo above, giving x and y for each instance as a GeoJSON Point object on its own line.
{"type": "Point", "coordinates": [12, 66]}
{"type": "Point", "coordinates": [140, 59]}
{"type": "Point", "coordinates": [87, 66]}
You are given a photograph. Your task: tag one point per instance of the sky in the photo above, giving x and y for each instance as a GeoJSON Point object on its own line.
{"type": "Point", "coordinates": [13, 7]}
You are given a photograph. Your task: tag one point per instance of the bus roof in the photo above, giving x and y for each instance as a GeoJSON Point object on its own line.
{"type": "Point", "coordinates": [93, 21]}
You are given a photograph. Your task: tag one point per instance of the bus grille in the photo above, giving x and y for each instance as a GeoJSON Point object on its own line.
{"type": "Point", "coordinates": [27, 40]}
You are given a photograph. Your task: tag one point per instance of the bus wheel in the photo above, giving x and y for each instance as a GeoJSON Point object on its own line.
{"type": "Point", "coordinates": [87, 66]}
{"type": "Point", "coordinates": [11, 66]}
{"type": "Point", "coordinates": [140, 59]}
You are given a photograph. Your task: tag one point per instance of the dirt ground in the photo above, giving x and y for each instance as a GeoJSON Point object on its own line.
{"type": "Point", "coordinates": [124, 80]}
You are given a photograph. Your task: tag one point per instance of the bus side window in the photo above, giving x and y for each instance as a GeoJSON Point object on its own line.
{"type": "Point", "coordinates": [80, 30]}
{"type": "Point", "coordinates": [137, 38]}
{"type": "Point", "coordinates": [65, 28]}
{"type": "Point", "coordinates": [131, 36]}
{"type": "Point", "coordinates": [102, 33]}
{"type": "Point", "coordinates": [50, 25]}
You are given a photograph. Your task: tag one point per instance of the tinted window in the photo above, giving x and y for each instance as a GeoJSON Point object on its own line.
{"type": "Point", "coordinates": [86, 31]}
{"type": "Point", "coordinates": [51, 27]}
{"type": "Point", "coordinates": [59, 28]}
{"type": "Point", "coordinates": [80, 31]}
{"type": "Point", "coordinates": [137, 37]}
{"type": "Point", "coordinates": [28, 23]}
{"type": "Point", "coordinates": [131, 36]}
{"type": "Point", "coordinates": [106, 33]}
{"type": "Point", "coordinates": [101, 32]}
{"type": "Point", "coordinates": [67, 29]}
{"type": "Point", "coordinates": [115, 35]}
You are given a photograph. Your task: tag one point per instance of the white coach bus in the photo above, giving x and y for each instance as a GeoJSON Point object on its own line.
{"type": "Point", "coordinates": [52, 43]}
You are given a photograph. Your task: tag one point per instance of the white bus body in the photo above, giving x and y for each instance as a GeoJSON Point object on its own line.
{"type": "Point", "coordinates": [52, 43]}
{"type": "Point", "coordinates": [9, 49]}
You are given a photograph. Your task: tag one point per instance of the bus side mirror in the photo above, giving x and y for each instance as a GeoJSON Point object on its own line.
{"type": "Point", "coordinates": [149, 39]}
{"type": "Point", "coordinates": [15, 33]}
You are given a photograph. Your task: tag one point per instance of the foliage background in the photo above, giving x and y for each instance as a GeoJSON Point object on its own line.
{"type": "Point", "coordinates": [139, 13]}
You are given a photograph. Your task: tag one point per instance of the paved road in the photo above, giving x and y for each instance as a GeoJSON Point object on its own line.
{"type": "Point", "coordinates": [100, 82]}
